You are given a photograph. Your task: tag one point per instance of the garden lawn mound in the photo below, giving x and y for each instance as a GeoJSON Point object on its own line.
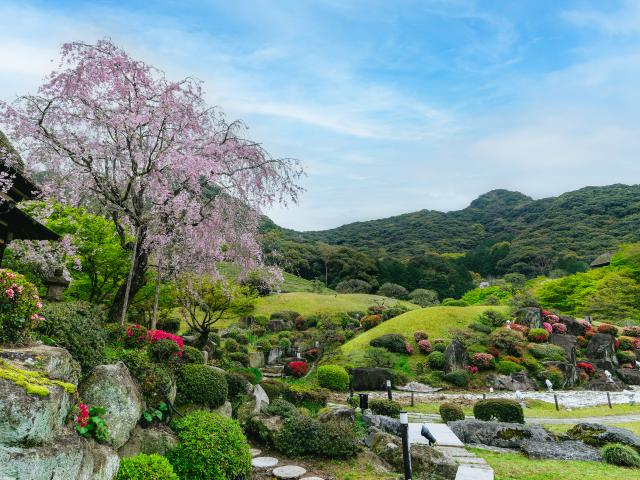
{"type": "Point", "coordinates": [435, 321]}
{"type": "Point", "coordinates": [307, 303]}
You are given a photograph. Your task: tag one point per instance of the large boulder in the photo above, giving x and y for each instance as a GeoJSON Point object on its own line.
{"type": "Point", "coordinates": [601, 383]}
{"type": "Point", "coordinates": [256, 359]}
{"type": "Point", "coordinates": [276, 325]}
{"type": "Point", "coordinates": [570, 450]}
{"type": "Point", "coordinates": [601, 350]}
{"type": "Point", "coordinates": [383, 423]}
{"type": "Point", "coordinates": [498, 434]}
{"type": "Point", "coordinates": [515, 381]}
{"type": "Point", "coordinates": [56, 362]}
{"type": "Point", "coordinates": [629, 376]}
{"type": "Point", "coordinates": [157, 439]}
{"type": "Point", "coordinates": [100, 462]}
{"type": "Point", "coordinates": [530, 317]}
{"type": "Point", "coordinates": [574, 327]}
{"type": "Point", "coordinates": [260, 398]}
{"type": "Point", "coordinates": [569, 371]}
{"type": "Point", "coordinates": [370, 378]}
{"type": "Point", "coordinates": [265, 427]}
{"type": "Point", "coordinates": [274, 355]}
{"type": "Point", "coordinates": [455, 357]}
{"type": "Point", "coordinates": [226, 409]}
{"type": "Point", "coordinates": [338, 413]}
{"type": "Point", "coordinates": [598, 435]}
{"type": "Point", "coordinates": [112, 387]}
{"type": "Point", "coordinates": [568, 343]}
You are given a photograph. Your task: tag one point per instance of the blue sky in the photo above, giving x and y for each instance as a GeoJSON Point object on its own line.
{"type": "Point", "coordinates": [393, 106]}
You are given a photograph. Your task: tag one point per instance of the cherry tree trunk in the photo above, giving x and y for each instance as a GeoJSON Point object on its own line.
{"type": "Point", "coordinates": [138, 280]}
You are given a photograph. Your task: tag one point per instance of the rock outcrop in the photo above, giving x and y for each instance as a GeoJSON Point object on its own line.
{"type": "Point", "coordinates": [530, 317]}
{"type": "Point", "coordinates": [157, 439]}
{"type": "Point", "coordinates": [498, 434]}
{"type": "Point", "coordinates": [515, 381]}
{"type": "Point", "coordinates": [455, 357]}
{"type": "Point", "coordinates": [598, 435]}
{"type": "Point", "coordinates": [561, 451]}
{"type": "Point", "coordinates": [370, 378]}
{"type": "Point", "coordinates": [601, 350]}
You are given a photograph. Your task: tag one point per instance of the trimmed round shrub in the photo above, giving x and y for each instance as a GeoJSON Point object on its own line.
{"type": "Point", "coordinates": [450, 412]}
{"type": "Point", "coordinates": [424, 297]}
{"type": "Point", "coordinates": [237, 384]}
{"type": "Point", "coordinates": [307, 396]}
{"type": "Point", "coordinates": [353, 285]}
{"type": "Point", "coordinates": [287, 315]}
{"type": "Point", "coordinates": [546, 351]}
{"type": "Point", "coordinates": [484, 361]}
{"type": "Point", "coordinates": [481, 327]}
{"type": "Point", "coordinates": [420, 335]}
{"type": "Point", "coordinates": [202, 385]}
{"type": "Point", "coordinates": [77, 327]}
{"type": "Point", "coordinates": [439, 345]}
{"type": "Point", "coordinates": [273, 388]}
{"type": "Point", "coordinates": [370, 321]}
{"type": "Point", "coordinates": [538, 335]}
{"type": "Point", "coordinates": [333, 377]}
{"type": "Point", "coordinates": [621, 455]}
{"type": "Point", "coordinates": [393, 342]}
{"type": "Point", "coordinates": [626, 356]}
{"type": "Point", "coordinates": [425, 347]}
{"type": "Point", "coordinates": [231, 345]}
{"type": "Point", "coordinates": [493, 318]}
{"type": "Point", "coordinates": [211, 446]}
{"type": "Point", "coordinates": [171, 324]}
{"type": "Point", "coordinates": [146, 467]}
{"type": "Point", "coordinates": [282, 408]}
{"type": "Point", "coordinates": [459, 378]}
{"type": "Point", "coordinates": [164, 350]}
{"type": "Point", "coordinates": [297, 368]}
{"type": "Point", "coordinates": [507, 340]}
{"type": "Point", "coordinates": [306, 436]}
{"type": "Point", "coordinates": [436, 360]}
{"type": "Point", "coordinates": [240, 357]}
{"type": "Point", "coordinates": [385, 407]}
{"type": "Point", "coordinates": [450, 302]}
{"type": "Point", "coordinates": [499, 409]}
{"type": "Point", "coordinates": [192, 355]}
{"type": "Point", "coordinates": [393, 290]}
{"type": "Point", "coordinates": [506, 367]}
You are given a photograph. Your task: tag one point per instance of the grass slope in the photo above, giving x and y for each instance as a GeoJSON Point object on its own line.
{"type": "Point", "coordinates": [307, 303]}
{"type": "Point", "coordinates": [436, 321]}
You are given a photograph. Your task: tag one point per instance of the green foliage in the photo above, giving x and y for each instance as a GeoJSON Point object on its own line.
{"type": "Point", "coordinates": [211, 447]}
{"type": "Point", "coordinates": [436, 360]}
{"type": "Point", "coordinates": [94, 425]}
{"type": "Point", "coordinates": [424, 297]}
{"type": "Point", "coordinates": [547, 352]}
{"type": "Point", "coordinates": [621, 455]}
{"type": "Point", "coordinates": [306, 395]}
{"type": "Point", "coordinates": [480, 327]}
{"type": "Point", "coordinates": [282, 408]}
{"type": "Point", "coordinates": [333, 377]}
{"type": "Point", "coordinates": [286, 315]}
{"type": "Point", "coordinates": [451, 302]}
{"type": "Point", "coordinates": [78, 327]}
{"type": "Point", "coordinates": [569, 294]}
{"type": "Point", "coordinates": [18, 305]}
{"type": "Point", "coordinates": [273, 388]}
{"type": "Point", "coordinates": [379, 357]}
{"type": "Point", "coordinates": [459, 378]}
{"type": "Point", "coordinates": [493, 318]}
{"type": "Point", "coordinates": [353, 285]}
{"type": "Point", "coordinates": [155, 380]}
{"type": "Point", "coordinates": [169, 324]}
{"type": "Point", "coordinates": [385, 407]}
{"type": "Point", "coordinates": [507, 340]}
{"type": "Point", "coordinates": [237, 385]}
{"type": "Point", "coordinates": [302, 436]}
{"type": "Point", "coordinates": [145, 467]}
{"type": "Point", "coordinates": [506, 367]}
{"type": "Point", "coordinates": [164, 351]}
{"type": "Point", "coordinates": [450, 412]}
{"type": "Point", "coordinates": [192, 355]}
{"type": "Point", "coordinates": [626, 356]}
{"type": "Point", "coordinates": [616, 298]}
{"type": "Point", "coordinates": [479, 296]}
{"type": "Point", "coordinates": [502, 410]}
{"type": "Point", "coordinates": [392, 341]}
{"type": "Point", "coordinates": [202, 385]}
{"type": "Point", "coordinates": [393, 290]}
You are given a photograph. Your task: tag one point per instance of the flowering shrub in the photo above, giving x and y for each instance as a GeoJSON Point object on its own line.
{"type": "Point", "coordinates": [583, 342]}
{"type": "Point", "coordinates": [19, 306]}
{"type": "Point", "coordinates": [89, 422]}
{"type": "Point", "coordinates": [408, 349]}
{"type": "Point", "coordinates": [626, 356]}
{"type": "Point", "coordinates": [538, 335]}
{"type": "Point", "coordinates": [425, 346]}
{"type": "Point", "coordinates": [633, 331]}
{"type": "Point", "coordinates": [376, 309]}
{"type": "Point", "coordinates": [586, 367]}
{"type": "Point", "coordinates": [559, 328]}
{"type": "Point", "coordinates": [472, 369]}
{"type": "Point", "coordinates": [419, 335]}
{"type": "Point", "coordinates": [551, 318]}
{"type": "Point", "coordinates": [589, 334]}
{"type": "Point", "coordinates": [369, 321]}
{"type": "Point", "coordinates": [482, 361]}
{"type": "Point", "coordinates": [547, 326]}
{"type": "Point", "coordinates": [311, 354]}
{"type": "Point", "coordinates": [136, 336]}
{"type": "Point", "coordinates": [519, 328]}
{"type": "Point", "coordinates": [610, 329]}
{"type": "Point", "coordinates": [154, 335]}
{"type": "Point", "coordinates": [495, 352]}
{"type": "Point", "coordinates": [297, 369]}
{"type": "Point", "coordinates": [628, 343]}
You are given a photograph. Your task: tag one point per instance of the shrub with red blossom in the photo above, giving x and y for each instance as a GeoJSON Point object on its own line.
{"type": "Point", "coordinates": [154, 335]}
{"type": "Point", "coordinates": [297, 368]}
{"type": "Point", "coordinates": [607, 328]}
{"type": "Point", "coordinates": [586, 367]}
{"type": "Point", "coordinates": [482, 361]}
{"type": "Point", "coordinates": [519, 328]}
{"type": "Point", "coordinates": [425, 346]}
{"type": "Point", "coordinates": [408, 348]}
{"type": "Point", "coordinates": [136, 336]}
{"type": "Point", "coordinates": [472, 369]}
{"type": "Point", "coordinates": [494, 351]}
{"type": "Point", "coordinates": [376, 309]}
{"type": "Point", "coordinates": [589, 334]}
{"type": "Point", "coordinates": [559, 328]}
{"type": "Point", "coordinates": [616, 343]}
{"type": "Point", "coordinates": [419, 335]}
{"type": "Point", "coordinates": [633, 331]}
{"type": "Point", "coordinates": [312, 354]}
{"type": "Point", "coordinates": [583, 342]}
{"type": "Point", "coordinates": [547, 326]}
{"type": "Point", "coordinates": [538, 335]}
{"type": "Point", "coordinates": [545, 313]}
{"type": "Point", "coordinates": [369, 321]}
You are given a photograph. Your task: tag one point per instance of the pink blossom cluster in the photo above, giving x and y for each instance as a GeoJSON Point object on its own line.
{"type": "Point", "coordinates": [155, 335]}
{"type": "Point", "coordinates": [548, 327]}
{"type": "Point", "coordinates": [559, 328]}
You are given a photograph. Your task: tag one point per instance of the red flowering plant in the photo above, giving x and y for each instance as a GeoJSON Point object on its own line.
{"type": "Point", "coordinates": [472, 369]}
{"type": "Point", "coordinates": [482, 361]}
{"type": "Point", "coordinates": [559, 328]}
{"type": "Point", "coordinates": [610, 329]}
{"type": "Point", "coordinates": [538, 335]}
{"type": "Point", "coordinates": [547, 326]}
{"type": "Point", "coordinates": [154, 335]}
{"type": "Point", "coordinates": [369, 321]}
{"type": "Point", "coordinates": [19, 306]}
{"type": "Point", "coordinates": [587, 368]}
{"type": "Point", "coordinates": [419, 335]}
{"type": "Point", "coordinates": [424, 346]}
{"type": "Point", "coordinates": [519, 328]}
{"type": "Point", "coordinates": [297, 368]}
{"type": "Point", "coordinates": [311, 354]}
{"type": "Point", "coordinates": [89, 422]}
{"type": "Point", "coordinates": [376, 309]}
{"type": "Point", "coordinates": [408, 349]}
{"type": "Point", "coordinates": [136, 336]}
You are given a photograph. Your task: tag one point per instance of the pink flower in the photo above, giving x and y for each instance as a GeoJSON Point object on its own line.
{"type": "Point", "coordinates": [39, 305]}
{"type": "Point", "coordinates": [547, 326]}
{"type": "Point", "coordinates": [9, 292]}
{"type": "Point", "coordinates": [19, 288]}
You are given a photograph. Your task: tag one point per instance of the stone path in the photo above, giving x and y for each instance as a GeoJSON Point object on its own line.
{"type": "Point", "coordinates": [269, 466]}
{"type": "Point", "coordinates": [432, 417]}
{"type": "Point", "coordinates": [443, 434]}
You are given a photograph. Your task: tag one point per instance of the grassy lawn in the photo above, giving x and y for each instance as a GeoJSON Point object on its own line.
{"type": "Point", "coordinates": [436, 321]}
{"type": "Point", "coordinates": [515, 466]}
{"type": "Point", "coordinates": [307, 303]}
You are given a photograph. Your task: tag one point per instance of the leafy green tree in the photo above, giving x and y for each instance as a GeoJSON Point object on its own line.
{"type": "Point", "coordinates": [393, 290]}
{"type": "Point", "coordinates": [424, 297]}
{"type": "Point", "coordinates": [617, 297]}
{"type": "Point", "coordinates": [516, 281]}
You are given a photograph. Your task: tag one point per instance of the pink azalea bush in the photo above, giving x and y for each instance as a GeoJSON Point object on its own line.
{"type": "Point", "coordinates": [547, 326]}
{"type": "Point", "coordinates": [408, 349]}
{"type": "Point", "coordinates": [633, 331]}
{"type": "Point", "coordinates": [483, 361]}
{"type": "Point", "coordinates": [20, 306]}
{"type": "Point", "coordinates": [559, 328]}
{"type": "Point", "coordinates": [519, 328]}
{"type": "Point", "coordinates": [419, 335]}
{"type": "Point", "coordinates": [425, 346]}
{"type": "Point", "coordinates": [155, 335]}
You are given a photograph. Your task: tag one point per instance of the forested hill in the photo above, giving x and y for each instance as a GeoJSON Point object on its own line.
{"type": "Point", "coordinates": [563, 232]}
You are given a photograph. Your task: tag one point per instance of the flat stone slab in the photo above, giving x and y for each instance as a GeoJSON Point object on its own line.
{"type": "Point", "coordinates": [442, 433]}
{"type": "Point", "coordinates": [311, 478]}
{"type": "Point", "coordinates": [468, 472]}
{"type": "Point", "coordinates": [289, 472]}
{"type": "Point", "coordinates": [562, 451]}
{"type": "Point", "coordinates": [264, 462]}
{"type": "Point", "coordinates": [255, 452]}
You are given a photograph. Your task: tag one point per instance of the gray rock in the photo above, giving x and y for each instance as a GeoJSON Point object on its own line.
{"type": "Point", "coordinates": [279, 325]}
{"type": "Point", "coordinates": [498, 434]}
{"type": "Point", "coordinates": [340, 413]}
{"type": "Point", "coordinates": [256, 359]}
{"type": "Point", "coordinates": [598, 435]}
{"type": "Point", "coordinates": [455, 357]}
{"type": "Point", "coordinates": [602, 384]}
{"type": "Point", "coordinates": [226, 409]}
{"type": "Point", "coordinates": [370, 378]}
{"type": "Point", "coordinates": [530, 317]}
{"type": "Point", "coordinates": [561, 451]}
{"type": "Point", "coordinates": [380, 422]}
{"type": "Point", "coordinates": [264, 462]}
{"type": "Point", "coordinates": [515, 381]}
{"type": "Point", "coordinates": [569, 370]}
{"type": "Point", "coordinates": [289, 472]}
{"type": "Point", "coordinates": [260, 397]}
{"type": "Point", "coordinates": [112, 387]}
{"type": "Point", "coordinates": [275, 354]}
{"type": "Point", "coordinates": [629, 376]}
{"type": "Point", "coordinates": [574, 327]}
{"type": "Point", "coordinates": [568, 343]}
{"type": "Point", "coordinates": [99, 462]}
{"type": "Point", "coordinates": [157, 439]}
{"type": "Point", "coordinates": [56, 362]}
{"type": "Point", "coordinates": [265, 427]}
{"type": "Point", "coordinates": [601, 351]}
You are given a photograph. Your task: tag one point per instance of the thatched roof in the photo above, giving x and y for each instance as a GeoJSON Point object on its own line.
{"type": "Point", "coordinates": [602, 260]}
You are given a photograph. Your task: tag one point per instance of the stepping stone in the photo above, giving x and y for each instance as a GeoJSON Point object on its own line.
{"type": "Point", "coordinates": [443, 434]}
{"type": "Point", "coordinates": [289, 472]}
{"type": "Point", "coordinates": [264, 462]}
{"type": "Point", "coordinates": [469, 472]}
{"type": "Point", "coordinates": [311, 478]}
{"type": "Point", "coordinates": [254, 452]}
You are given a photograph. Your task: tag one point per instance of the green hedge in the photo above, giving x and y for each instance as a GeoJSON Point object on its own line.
{"type": "Point", "coordinates": [450, 412]}
{"type": "Point", "coordinates": [202, 385]}
{"type": "Point", "coordinates": [507, 367]}
{"type": "Point", "coordinates": [393, 342]}
{"type": "Point", "coordinates": [621, 455]}
{"type": "Point", "coordinates": [500, 409]}
{"type": "Point", "coordinates": [146, 467]}
{"type": "Point", "coordinates": [459, 378]}
{"type": "Point", "coordinates": [306, 436]}
{"type": "Point", "coordinates": [211, 447]}
{"type": "Point", "coordinates": [333, 377]}
{"type": "Point", "coordinates": [436, 360]}
{"type": "Point", "coordinates": [385, 407]}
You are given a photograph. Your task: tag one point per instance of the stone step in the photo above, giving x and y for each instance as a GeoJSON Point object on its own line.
{"type": "Point", "coordinates": [264, 463]}
{"type": "Point", "coordinates": [289, 472]}
{"type": "Point", "coordinates": [469, 472]}
{"type": "Point", "coordinates": [443, 434]}
{"type": "Point", "coordinates": [255, 452]}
